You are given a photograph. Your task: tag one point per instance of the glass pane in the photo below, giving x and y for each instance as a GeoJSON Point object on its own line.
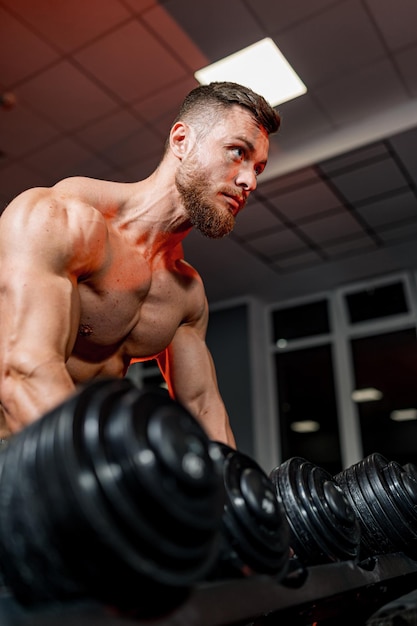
{"type": "Point", "coordinates": [387, 363]}
{"type": "Point", "coordinates": [307, 397]}
{"type": "Point", "coordinates": [301, 321]}
{"type": "Point", "coordinates": [376, 302]}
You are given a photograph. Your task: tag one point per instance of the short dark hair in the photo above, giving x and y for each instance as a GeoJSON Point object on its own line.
{"type": "Point", "coordinates": [227, 94]}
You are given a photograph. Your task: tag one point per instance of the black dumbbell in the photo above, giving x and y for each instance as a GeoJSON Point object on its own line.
{"type": "Point", "coordinates": [255, 534]}
{"type": "Point", "coordinates": [384, 496]}
{"type": "Point", "coordinates": [411, 469]}
{"type": "Point", "coordinates": [114, 495]}
{"type": "Point", "coordinates": [323, 526]}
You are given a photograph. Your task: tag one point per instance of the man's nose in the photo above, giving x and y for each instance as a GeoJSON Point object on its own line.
{"type": "Point", "coordinates": [247, 179]}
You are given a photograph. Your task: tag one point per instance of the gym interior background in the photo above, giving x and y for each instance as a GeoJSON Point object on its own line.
{"type": "Point", "coordinates": [313, 297]}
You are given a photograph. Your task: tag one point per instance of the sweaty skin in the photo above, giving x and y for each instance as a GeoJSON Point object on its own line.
{"type": "Point", "coordinates": [92, 275]}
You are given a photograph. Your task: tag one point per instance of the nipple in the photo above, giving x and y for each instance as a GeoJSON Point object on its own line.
{"type": "Point", "coordinates": [85, 330]}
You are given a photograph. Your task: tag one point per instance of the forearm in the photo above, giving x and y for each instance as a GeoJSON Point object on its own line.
{"type": "Point", "coordinates": [188, 368]}
{"type": "Point", "coordinates": [211, 413]}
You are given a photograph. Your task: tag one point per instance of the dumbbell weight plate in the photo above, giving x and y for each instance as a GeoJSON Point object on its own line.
{"type": "Point", "coordinates": [323, 526]}
{"type": "Point", "coordinates": [61, 493]}
{"type": "Point", "coordinates": [255, 530]}
{"type": "Point", "coordinates": [384, 497]}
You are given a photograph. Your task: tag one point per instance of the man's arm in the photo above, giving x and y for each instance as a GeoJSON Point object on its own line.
{"type": "Point", "coordinates": [39, 305]}
{"type": "Point", "coordinates": [188, 368]}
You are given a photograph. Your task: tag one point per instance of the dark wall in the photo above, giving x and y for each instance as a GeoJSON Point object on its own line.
{"type": "Point", "coordinates": [228, 341]}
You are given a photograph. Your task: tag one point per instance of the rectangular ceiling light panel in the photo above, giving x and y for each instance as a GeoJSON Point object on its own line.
{"type": "Point", "coordinates": [262, 67]}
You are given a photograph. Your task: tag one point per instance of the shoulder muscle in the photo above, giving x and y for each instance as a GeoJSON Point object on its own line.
{"type": "Point", "coordinates": [47, 228]}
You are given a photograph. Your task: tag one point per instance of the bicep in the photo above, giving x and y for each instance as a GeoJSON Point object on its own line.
{"type": "Point", "coordinates": [39, 300]}
{"type": "Point", "coordinates": [39, 310]}
{"type": "Point", "coordinates": [43, 252]}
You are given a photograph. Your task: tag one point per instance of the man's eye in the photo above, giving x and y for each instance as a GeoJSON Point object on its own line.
{"type": "Point", "coordinates": [258, 170]}
{"type": "Point", "coordinates": [238, 152]}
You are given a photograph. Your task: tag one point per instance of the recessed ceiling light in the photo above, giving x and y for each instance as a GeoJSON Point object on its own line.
{"type": "Point", "coordinates": [404, 415]}
{"type": "Point", "coordinates": [305, 426]}
{"type": "Point", "coordinates": [262, 67]}
{"type": "Point", "coordinates": [367, 394]}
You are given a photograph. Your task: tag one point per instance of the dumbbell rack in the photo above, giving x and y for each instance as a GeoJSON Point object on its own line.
{"type": "Point", "coordinates": [338, 593]}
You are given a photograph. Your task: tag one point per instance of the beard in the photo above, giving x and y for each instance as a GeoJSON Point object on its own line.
{"type": "Point", "coordinates": [196, 194]}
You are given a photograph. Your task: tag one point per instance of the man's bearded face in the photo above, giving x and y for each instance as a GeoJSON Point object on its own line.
{"type": "Point", "coordinates": [202, 202]}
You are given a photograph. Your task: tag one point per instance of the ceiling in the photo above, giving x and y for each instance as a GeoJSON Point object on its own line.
{"type": "Point", "coordinates": [98, 82]}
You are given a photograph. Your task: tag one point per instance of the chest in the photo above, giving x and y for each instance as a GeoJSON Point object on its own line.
{"type": "Point", "coordinates": [132, 304]}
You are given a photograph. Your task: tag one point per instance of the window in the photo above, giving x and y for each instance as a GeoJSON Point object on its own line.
{"type": "Point", "coordinates": [301, 321]}
{"type": "Point", "coordinates": [307, 406]}
{"type": "Point", "coordinates": [376, 302]}
{"type": "Point", "coordinates": [387, 364]}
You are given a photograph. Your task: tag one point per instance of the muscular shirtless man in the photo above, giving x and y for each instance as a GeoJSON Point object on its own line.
{"type": "Point", "coordinates": [92, 273]}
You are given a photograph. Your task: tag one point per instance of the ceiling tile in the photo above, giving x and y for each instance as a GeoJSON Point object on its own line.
{"type": "Point", "coordinates": [340, 224]}
{"type": "Point", "coordinates": [399, 232]}
{"type": "Point", "coordinates": [288, 182]}
{"type": "Point", "coordinates": [335, 41]}
{"type": "Point", "coordinates": [65, 96]}
{"type": "Point", "coordinates": [92, 166]}
{"type": "Point", "coordinates": [399, 27]}
{"type": "Point", "coordinates": [277, 16]}
{"type": "Point", "coordinates": [15, 178]}
{"type": "Point", "coordinates": [23, 53]}
{"type": "Point", "coordinates": [405, 146]}
{"type": "Point", "coordinates": [109, 130]}
{"type": "Point", "coordinates": [297, 261]}
{"type": "Point", "coordinates": [363, 93]}
{"type": "Point", "coordinates": [347, 247]}
{"type": "Point", "coordinates": [162, 125]}
{"type": "Point", "coordinates": [219, 27]}
{"type": "Point", "coordinates": [164, 25]}
{"type": "Point", "coordinates": [256, 218]}
{"type": "Point", "coordinates": [309, 200]}
{"type": "Point", "coordinates": [136, 146]}
{"type": "Point", "coordinates": [353, 159]}
{"type": "Point", "coordinates": [140, 169]}
{"type": "Point", "coordinates": [277, 244]}
{"type": "Point", "coordinates": [301, 120]}
{"type": "Point", "coordinates": [22, 131]}
{"type": "Point", "coordinates": [68, 25]}
{"type": "Point", "coordinates": [166, 103]}
{"type": "Point", "coordinates": [131, 62]}
{"type": "Point", "coordinates": [58, 160]}
{"type": "Point", "coordinates": [390, 210]}
{"type": "Point", "coordinates": [406, 62]}
{"type": "Point", "coordinates": [370, 181]}
{"type": "Point", "coordinates": [139, 6]}
{"type": "Point", "coordinates": [4, 201]}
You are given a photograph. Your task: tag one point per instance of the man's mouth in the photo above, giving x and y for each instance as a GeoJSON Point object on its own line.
{"type": "Point", "coordinates": [237, 202]}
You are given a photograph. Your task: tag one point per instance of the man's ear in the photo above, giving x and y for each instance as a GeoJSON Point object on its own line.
{"type": "Point", "coordinates": [180, 139]}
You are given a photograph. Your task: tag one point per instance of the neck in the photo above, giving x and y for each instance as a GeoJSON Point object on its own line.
{"type": "Point", "coordinates": [153, 211]}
